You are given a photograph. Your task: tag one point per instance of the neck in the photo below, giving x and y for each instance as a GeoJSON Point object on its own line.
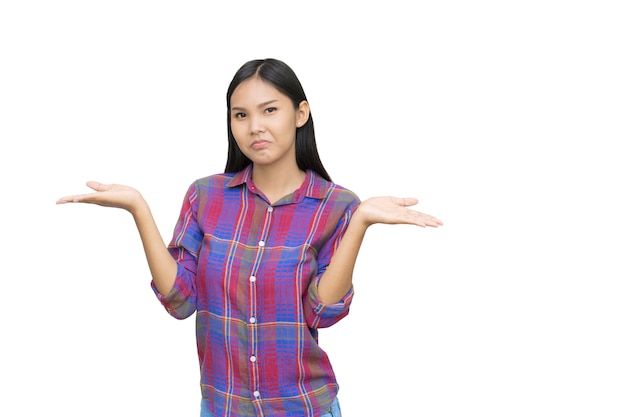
{"type": "Point", "coordinates": [277, 183]}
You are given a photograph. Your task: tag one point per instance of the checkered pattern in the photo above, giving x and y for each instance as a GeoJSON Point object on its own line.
{"type": "Point", "coordinates": [249, 270]}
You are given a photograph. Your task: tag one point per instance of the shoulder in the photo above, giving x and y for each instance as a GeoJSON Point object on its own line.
{"type": "Point", "coordinates": [334, 193]}
{"type": "Point", "coordinates": [340, 192]}
{"type": "Point", "coordinates": [213, 181]}
{"type": "Point", "coordinates": [209, 186]}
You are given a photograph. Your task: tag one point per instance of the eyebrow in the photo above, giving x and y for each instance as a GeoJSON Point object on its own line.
{"type": "Point", "coordinates": [259, 106]}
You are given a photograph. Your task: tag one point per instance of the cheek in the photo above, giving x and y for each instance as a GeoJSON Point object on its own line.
{"type": "Point", "coordinates": [238, 131]}
{"type": "Point", "coordinates": [286, 128]}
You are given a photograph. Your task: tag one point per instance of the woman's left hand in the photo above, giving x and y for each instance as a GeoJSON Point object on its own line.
{"type": "Point", "coordinates": [393, 210]}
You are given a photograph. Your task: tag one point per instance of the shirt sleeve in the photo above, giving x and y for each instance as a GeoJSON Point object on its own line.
{"type": "Point", "coordinates": [325, 315]}
{"type": "Point", "coordinates": [180, 302]}
{"type": "Point", "coordinates": [318, 314]}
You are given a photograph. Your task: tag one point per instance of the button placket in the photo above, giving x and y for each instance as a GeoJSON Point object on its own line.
{"type": "Point", "coordinates": [252, 319]}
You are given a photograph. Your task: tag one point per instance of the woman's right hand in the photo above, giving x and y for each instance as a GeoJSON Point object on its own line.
{"type": "Point", "coordinates": [108, 195]}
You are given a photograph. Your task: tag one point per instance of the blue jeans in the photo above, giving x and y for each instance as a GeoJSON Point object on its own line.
{"type": "Point", "coordinates": [334, 411]}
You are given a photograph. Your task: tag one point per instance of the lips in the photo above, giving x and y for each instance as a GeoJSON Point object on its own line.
{"type": "Point", "coordinates": [260, 144]}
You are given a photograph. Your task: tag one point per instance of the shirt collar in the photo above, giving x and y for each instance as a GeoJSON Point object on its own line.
{"type": "Point", "coordinates": [314, 186]}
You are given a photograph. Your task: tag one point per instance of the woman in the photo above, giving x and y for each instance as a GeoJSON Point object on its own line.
{"type": "Point", "coordinates": [262, 253]}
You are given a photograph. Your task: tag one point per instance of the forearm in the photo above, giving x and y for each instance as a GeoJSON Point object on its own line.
{"type": "Point", "coordinates": [162, 266]}
{"type": "Point", "coordinates": [337, 280]}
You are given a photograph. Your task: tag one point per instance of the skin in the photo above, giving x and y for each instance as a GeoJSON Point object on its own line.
{"type": "Point", "coordinates": [264, 123]}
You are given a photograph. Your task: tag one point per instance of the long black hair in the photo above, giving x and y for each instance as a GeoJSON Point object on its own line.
{"type": "Point", "coordinates": [281, 77]}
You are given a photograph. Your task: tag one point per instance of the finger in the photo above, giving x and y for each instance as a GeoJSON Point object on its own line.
{"type": "Point", "coordinates": [406, 201]}
{"type": "Point", "coordinates": [97, 186]}
{"type": "Point", "coordinates": [432, 221]}
{"type": "Point", "coordinates": [66, 199]}
{"type": "Point", "coordinates": [79, 198]}
{"type": "Point", "coordinates": [423, 219]}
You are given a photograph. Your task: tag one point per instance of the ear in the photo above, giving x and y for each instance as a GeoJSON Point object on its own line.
{"type": "Point", "coordinates": [302, 113]}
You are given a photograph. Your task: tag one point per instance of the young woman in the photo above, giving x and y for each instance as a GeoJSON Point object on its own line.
{"type": "Point", "coordinates": [262, 253]}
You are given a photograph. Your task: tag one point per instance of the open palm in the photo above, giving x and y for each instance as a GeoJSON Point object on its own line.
{"type": "Point", "coordinates": [394, 210]}
{"type": "Point", "coordinates": [108, 195]}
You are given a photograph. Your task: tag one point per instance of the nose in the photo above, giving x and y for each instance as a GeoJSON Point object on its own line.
{"type": "Point", "coordinates": [256, 125]}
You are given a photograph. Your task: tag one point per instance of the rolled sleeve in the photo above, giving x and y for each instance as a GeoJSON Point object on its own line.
{"type": "Point", "coordinates": [180, 302]}
{"type": "Point", "coordinates": [318, 314]}
{"type": "Point", "coordinates": [321, 315]}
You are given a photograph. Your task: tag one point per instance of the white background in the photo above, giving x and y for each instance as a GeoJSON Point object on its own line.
{"type": "Point", "coordinates": [506, 120]}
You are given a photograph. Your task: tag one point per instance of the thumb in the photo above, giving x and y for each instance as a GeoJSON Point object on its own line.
{"type": "Point", "coordinates": [407, 201]}
{"type": "Point", "coordinates": [95, 185]}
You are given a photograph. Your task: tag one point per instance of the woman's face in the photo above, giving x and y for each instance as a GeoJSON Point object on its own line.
{"type": "Point", "coordinates": [264, 122]}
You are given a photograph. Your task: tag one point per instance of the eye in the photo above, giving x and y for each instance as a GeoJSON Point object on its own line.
{"type": "Point", "coordinates": [270, 110]}
{"type": "Point", "coordinates": [239, 115]}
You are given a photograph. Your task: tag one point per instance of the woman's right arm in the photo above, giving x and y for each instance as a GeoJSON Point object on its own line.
{"type": "Point", "coordinates": [162, 266]}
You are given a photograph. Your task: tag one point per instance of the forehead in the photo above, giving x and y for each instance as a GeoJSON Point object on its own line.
{"type": "Point", "coordinates": [254, 91]}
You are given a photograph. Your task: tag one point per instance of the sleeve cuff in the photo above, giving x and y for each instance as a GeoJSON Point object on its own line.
{"type": "Point", "coordinates": [329, 311]}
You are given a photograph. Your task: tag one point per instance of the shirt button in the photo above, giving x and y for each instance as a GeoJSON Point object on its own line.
{"type": "Point", "coordinates": [252, 278]}
{"type": "Point", "coordinates": [252, 320]}
{"type": "Point", "coordinates": [256, 394]}
{"type": "Point", "coordinates": [262, 243]}
{"type": "Point", "coordinates": [252, 358]}
{"type": "Point", "coordinates": [270, 209]}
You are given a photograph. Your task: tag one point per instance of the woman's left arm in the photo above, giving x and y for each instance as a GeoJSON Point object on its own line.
{"type": "Point", "coordinates": [337, 280]}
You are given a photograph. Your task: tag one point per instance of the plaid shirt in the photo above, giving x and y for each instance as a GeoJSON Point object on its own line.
{"type": "Point", "coordinates": [249, 269]}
